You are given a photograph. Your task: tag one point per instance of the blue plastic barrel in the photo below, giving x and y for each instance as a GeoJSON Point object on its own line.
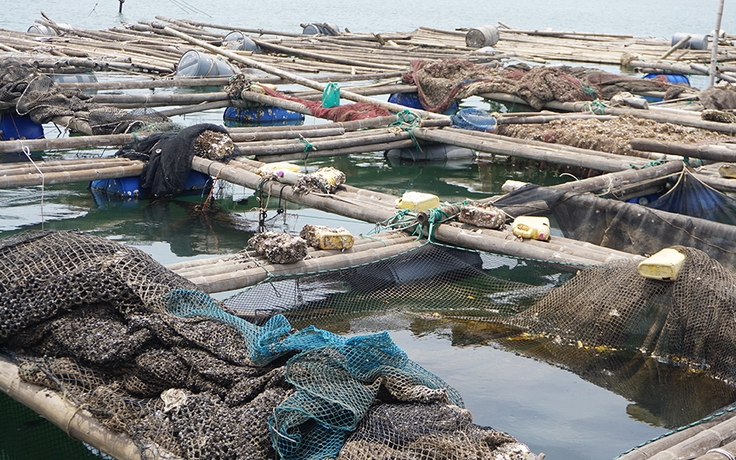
{"type": "Point", "coordinates": [14, 126]}
{"type": "Point", "coordinates": [261, 116]}
{"type": "Point", "coordinates": [129, 188]}
{"type": "Point", "coordinates": [196, 64]}
{"type": "Point", "coordinates": [239, 41]}
{"type": "Point", "coordinates": [327, 28]}
{"type": "Point", "coordinates": [695, 42]}
{"type": "Point", "coordinates": [672, 78]}
{"type": "Point", "coordinates": [474, 120]}
{"type": "Point", "coordinates": [412, 101]}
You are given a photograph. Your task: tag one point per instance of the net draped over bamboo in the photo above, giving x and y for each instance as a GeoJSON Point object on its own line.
{"type": "Point", "coordinates": [149, 355]}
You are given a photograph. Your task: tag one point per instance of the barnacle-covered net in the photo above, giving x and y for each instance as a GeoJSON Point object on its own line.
{"type": "Point", "coordinates": [149, 355]}
{"type": "Point", "coordinates": [24, 89]}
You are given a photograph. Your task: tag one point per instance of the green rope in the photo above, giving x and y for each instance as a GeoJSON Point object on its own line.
{"type": "Point", "coordinates": [650, 164]}
{"type": "Point", "coordinates": [436, 217]}
{"type": "Point", "coordinates": [596, 107]}
{"type": "Point", "coordinates": [408, 121]}
{"type": "Point", "coordinates": [698, 161]}
{"type": "Point", "coordinates": [307, 145]}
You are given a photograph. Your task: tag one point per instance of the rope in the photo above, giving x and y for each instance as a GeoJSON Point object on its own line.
{"type": "Point", "coordinates": [725, 453]}
{"type": "Point", "coordinates": [27, 153]}
{"type": "Point", "coordinates": [408, 121]}
{"type": "Point", "coordinates": [307, 145]}
{"type": "Point", "coordinates": [596, 107]}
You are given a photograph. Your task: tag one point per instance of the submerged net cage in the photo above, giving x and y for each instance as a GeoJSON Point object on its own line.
{"type": "Point", "coordinates": [149, 356]}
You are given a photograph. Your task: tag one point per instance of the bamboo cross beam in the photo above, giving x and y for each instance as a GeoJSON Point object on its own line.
{"type": "Point", "coordinates": [295, 78]}
{"type": "Point", "coordinates": [65, 177]}
{"type": "Point", "coordinates": [718, 153]}
{"type": "Point", "coordinates": [65, 143]}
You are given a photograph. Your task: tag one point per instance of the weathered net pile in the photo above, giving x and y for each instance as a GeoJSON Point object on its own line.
{"type": "Point", "coordinates": [612, 136]}
{"type": "Point", "coordinates": [440, 83]}
{"type": "Point", "coordinates": [148, 355]}
{"type": "Point", "coordinates": [27, 91]}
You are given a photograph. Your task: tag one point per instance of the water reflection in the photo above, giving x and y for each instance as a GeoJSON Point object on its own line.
{"type": "Point", "coordinates": [661, 394]}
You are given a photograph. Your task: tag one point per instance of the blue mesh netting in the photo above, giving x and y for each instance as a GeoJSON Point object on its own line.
{"type": "Point", "coordinates": [336, 378]}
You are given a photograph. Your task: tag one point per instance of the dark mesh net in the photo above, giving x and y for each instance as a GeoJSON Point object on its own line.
{"type": "Point", "coordinates": [687, 320]}
{"type": "Point", "coordinates": [150, 356]}
{"type": "Point", "coordinates": [24, 89]}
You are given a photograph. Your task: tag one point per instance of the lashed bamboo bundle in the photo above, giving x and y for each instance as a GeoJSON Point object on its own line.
{"type": "Point", "coordinates": [245, 269]}
{"type": "Point", "coordinates": [60, 174]}
{"type": "Point", "coordinates": [376, 207]}
{"type": "Point", "coordinates": [694, 442]}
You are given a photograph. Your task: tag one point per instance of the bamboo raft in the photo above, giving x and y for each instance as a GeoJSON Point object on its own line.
{"type": "Point", "coordinates": [368, 65]}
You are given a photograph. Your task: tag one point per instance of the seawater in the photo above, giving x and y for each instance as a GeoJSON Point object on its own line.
{"type": "Point", "coordinates": [544, 404]}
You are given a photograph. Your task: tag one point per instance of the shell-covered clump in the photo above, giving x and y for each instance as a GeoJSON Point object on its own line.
{"type": "Point", "coordinates": [279, 248]}
{"type": "Point", "coordinates": [323, 180]}
{"type": "Point", "coordinates": [213, 145]}
{"type": "Point", "coordinates": [486, 216]}
{"type": "Point", "coordinates": [721, 116]}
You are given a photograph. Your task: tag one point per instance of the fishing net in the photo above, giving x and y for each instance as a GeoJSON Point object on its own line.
{"type": "Point", "coordinates": [27, 91]}
{"type": "Point", "coordinates": [606, 323]}
{"type": "Point", "coordinates": [339, 113]}
{"type": "Point", "coordinates": [442, 82]}
{"type": "Point", "coordinates": [168, 156]}
{"type": "Point", "coordinates": [148, 355]}
{"type": "Point", "coordinates": [111, 120]}
{"type": "Point", "coordinates": [687, 320]}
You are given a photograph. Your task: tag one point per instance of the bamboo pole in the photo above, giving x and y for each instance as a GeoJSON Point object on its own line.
{"type": "Point", "coordinates": [324, 57]}
{"type": "Point", "coordinates": [657, 114]}
{"type": "Point", "coordinates": [63, 143]}
{"type": "Point", "coordinates": [676, 46]}
{"type": "Point", "coordinates": [341, 151]}
{"type": "Point", "coordinates": [237, 279]}
{"type": "Point", "coordinates": [706, 152]}
{"type": "Point", "coordinates": [529, 150]}
{"type": "Point", "coordinates": [219, 264]}
{"type": "Point", "coordinates": [65, 177]}
{"type": "Point", "coordinates": [295, 133]}
{"type": "Point", "coordinates": [78, 423]}
{"type": "Point", "coordinates": [699, 443]}
{"type": "Point", "coordinates": [376, 207]}
{"type": "Point", "coordinates": [716, 37]}
{"type": "Point", "coordinates": [727, 452]}
{"type": "Point", "coordinates": [295, 78]}
{"type": "Point", "coordinates": [315, 146]}
{"type": "Point", "coordinates": [60, 166]}
{"type": "Point", "coordinates": [610, 180]}
{"type": "Point", "coordinates": [151, 100]}
{"type": "Point", "coordinates": [646, 451]}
